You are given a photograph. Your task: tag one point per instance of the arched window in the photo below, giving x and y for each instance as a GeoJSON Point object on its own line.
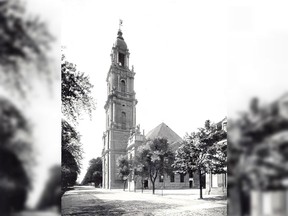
{"type": "Point", "coordinates": [123, 86]}
{"type": "Point", "coordinates": [123, 120]}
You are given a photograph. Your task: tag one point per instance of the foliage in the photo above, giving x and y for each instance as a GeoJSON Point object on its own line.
{"type": "Point", "coordinates": [51, 195]}
{"type": "Point", "coordinates": [259, 148]}
{"type": "Point", "coordinates": [123, 168]}
{"type": "Point", "coordinates": [71, 154]}
{"type": "Point", "coordinates": [156, 159]}
{"type": "Point", "coordinates": [15, 134]}
{"type": "Point", "coordinates": [94, 172]}
{"type": "Point", "coordinates": [201, 151]}
{"type": "Point", "coordinates": [76, 91]}
{"type": "Point", "coordinates": [24, 40]}
{"type": "Point", "coordinates": [14, 182]}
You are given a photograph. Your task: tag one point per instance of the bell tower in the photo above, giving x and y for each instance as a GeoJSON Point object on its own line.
{"type": "Point", "coordinates": [120, 111]}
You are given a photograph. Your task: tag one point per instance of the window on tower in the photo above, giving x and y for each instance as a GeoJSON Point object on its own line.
{"type": "Point", "coordinates": [123, 86]}
{"type": "Point", "coordinates": [121, 59]}
{"type": "Point", "coordinates": [123, 120]}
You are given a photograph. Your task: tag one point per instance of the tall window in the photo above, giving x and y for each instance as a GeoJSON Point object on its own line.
{"type": "Point", "coordinates": [123, 86]}
{"type": "Point", "coordinates": [172, 177]}
{"type": "Point", "coordinates": [160, 178]}
{"type": "Point", "coordinates": [123, 120]}
{"type": "Point", "coordinates": [121, 59]}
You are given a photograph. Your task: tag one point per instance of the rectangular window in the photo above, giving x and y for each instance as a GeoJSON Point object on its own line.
{"type": "Point", "coordinates": [172, 177]}
{"type": "Point", "coordinates": [182, 177]}
{"type": "Point", "coordinates": [161, 178]}
{"type": "Point", "coordinates": [121, 59]}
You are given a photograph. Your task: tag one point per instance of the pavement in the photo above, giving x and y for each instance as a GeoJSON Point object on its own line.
{"type": "Point", "coordinates": [86, 200]}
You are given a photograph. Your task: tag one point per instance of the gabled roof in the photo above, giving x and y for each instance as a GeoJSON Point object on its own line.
{"type": "Point", "coordinates": [163, 131]}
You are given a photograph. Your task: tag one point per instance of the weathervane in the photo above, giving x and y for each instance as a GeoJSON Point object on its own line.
{"type": "Point", "coordinates": [120, 23]}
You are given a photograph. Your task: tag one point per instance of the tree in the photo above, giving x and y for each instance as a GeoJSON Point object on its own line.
{"type": "Point", "coordinates": [24, 41]}
{"type": "Point", "coordinates": [123, 168]}
{"type": "Point", "coordinates": [71, 155]}
{"type": "Point", "coordinates": [76, 98]}
{"type": "Point", "coordinates": [52, 193]}
{"type": "Point", "coordinates": [76, 91]}
{"type": "Point", "coordinates": [94, 172]}
{"type": "Point", "coordinates": [156, 159]}
{"type": "Point", "coordinates": [257, 151]}
{"type": "Point", "coordinates": [200, 152]}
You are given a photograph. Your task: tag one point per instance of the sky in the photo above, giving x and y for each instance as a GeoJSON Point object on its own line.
{"type": "Point", "coordinates": [194, 60]}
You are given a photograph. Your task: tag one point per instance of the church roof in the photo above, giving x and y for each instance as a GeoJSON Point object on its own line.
{"type": "Point", "coordinates": [163, 131]}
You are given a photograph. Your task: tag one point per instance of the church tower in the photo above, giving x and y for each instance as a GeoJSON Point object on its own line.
{"type": "Point", "coordinates": [120, 110]}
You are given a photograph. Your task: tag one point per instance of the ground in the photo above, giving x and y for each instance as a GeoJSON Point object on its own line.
{"type": "Point", "coordinates": [90, 201]}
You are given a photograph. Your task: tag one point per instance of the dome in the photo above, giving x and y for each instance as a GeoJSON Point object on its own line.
{"type": "Point", "coordinates": [120, 41]}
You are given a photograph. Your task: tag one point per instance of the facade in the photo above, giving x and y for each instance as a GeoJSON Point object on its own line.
{"type": "Point", "coordinates": [120, 110]}
{"type": "Point", "coordinates": [175, 181]}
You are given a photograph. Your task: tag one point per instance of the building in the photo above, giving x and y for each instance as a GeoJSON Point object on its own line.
{"type": "Point", "coordinates": [122, 136]}
{"type": "Point", "coordinates": [120, 110]}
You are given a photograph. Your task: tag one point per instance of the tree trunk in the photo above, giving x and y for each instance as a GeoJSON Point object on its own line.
{"type": "Point", "coordinates": [124, 185]}
{"type": "Point", "coordinates": [200, 184]}
{"type": "Point", "coordinates": [153, 187]}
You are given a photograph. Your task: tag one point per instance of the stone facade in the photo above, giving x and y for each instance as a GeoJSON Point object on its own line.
{"type": "Point", "coordinates": [120, 110]}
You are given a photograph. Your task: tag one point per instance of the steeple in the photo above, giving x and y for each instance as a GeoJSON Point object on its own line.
{"type": "Point", "coordinates": [120, 52]}
{"type": "Point", "coordinates": [120, 111]}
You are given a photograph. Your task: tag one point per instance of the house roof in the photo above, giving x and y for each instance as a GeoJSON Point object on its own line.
{"type": "Point", "coordinates": [163, 131]}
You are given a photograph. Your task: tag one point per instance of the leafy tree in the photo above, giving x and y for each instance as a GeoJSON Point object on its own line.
{"type": "Point", "coordinates": [94, 172]}
{"type": "Point", "coordinates": [71, 155]}
{"type": "Point", "coordinates": [157, 159]}
{"type": "Point", "coordinates": [24, 42]}
{"type": "Point", "coordinates": [123, 168]}
{"type": "Point", "coordinates": [76, 91]}
{"type": "Point", "coordinates": [138, 170]}
{"type": "Point", "coordinates": [200, 152]}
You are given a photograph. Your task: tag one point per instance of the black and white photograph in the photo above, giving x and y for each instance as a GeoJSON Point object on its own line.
{"type": "Point", "coordinates": [127, 108]}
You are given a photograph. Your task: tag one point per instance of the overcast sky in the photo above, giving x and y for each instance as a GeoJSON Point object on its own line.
{"type": "Point", "coordinates": [189, 58]}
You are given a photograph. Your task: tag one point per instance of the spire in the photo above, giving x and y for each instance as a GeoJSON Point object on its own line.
{"type": "Point", "coordinates": [119, 30]}
{"type": "Point", "coordinates": [120, 34]}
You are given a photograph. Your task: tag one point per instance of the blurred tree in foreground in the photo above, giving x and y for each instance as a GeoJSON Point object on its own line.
{"type": "Point", "coordinates": [52, 192]}
{"type": "Point", "coordinates": [15, 158]}
{"type": "Point", "coordinates": [201, 152]}
{"type": "Point", "coordinates": [24, 41]}
{"type": "Point", "coordinates": [258, 151]}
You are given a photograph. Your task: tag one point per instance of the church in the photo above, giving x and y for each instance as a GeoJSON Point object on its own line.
{"type": "Point", "coordinates": [123, 137]}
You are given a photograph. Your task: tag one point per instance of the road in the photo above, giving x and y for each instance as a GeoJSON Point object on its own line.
{"type": "Point", "coordinates": [87, 200]}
